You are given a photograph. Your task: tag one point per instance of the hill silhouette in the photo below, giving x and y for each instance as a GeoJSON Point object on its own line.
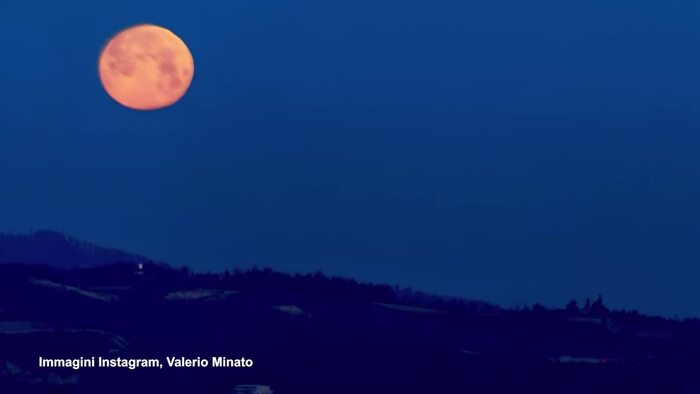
{"type": "Point", "coordinates": [318, 334]}
{"type": "Point", "coordinates": [58, 250]}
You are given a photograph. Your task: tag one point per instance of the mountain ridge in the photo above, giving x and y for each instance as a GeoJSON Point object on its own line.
{"type": "Point", "coordinates": [306, 332]}
{"type": "Point", "coordinates": [58, 250]}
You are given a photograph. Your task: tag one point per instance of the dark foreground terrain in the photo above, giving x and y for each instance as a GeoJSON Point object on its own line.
{"type": "Point", "coordinates": [313, 334]}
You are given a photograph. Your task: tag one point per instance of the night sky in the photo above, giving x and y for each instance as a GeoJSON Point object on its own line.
{"type": "Point", "coordinates": [512, 151]}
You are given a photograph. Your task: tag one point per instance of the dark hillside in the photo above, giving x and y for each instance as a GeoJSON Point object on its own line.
{"type": "Point", "coordinates": [314, 334]}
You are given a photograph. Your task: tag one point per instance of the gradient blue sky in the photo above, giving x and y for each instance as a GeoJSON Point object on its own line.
{"type": "Point", "coordinates": [504, 150]}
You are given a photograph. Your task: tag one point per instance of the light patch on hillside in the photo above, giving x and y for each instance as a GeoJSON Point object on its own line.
{"type": "Point", "coordinates": [117, 342]}
{"type": "Point", "coordinates": [252, 389]}
{"type": "Point", "coordinates": [289, 309]}
{"type": "Point", "coordinates": [75, 290]}
{"type": "Point", "coordinates": [408, 308]}
{"type": "Point", "coordinates": [22, 327]}
{"type": "Point", "coordinates": [200, 295]}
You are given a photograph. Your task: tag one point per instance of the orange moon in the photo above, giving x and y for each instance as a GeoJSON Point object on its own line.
{"type": "Point", "coordinates": [146, 67]}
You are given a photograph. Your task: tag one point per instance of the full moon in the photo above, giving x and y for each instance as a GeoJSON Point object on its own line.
{"type": "Point", "coordinates": [146, 67]}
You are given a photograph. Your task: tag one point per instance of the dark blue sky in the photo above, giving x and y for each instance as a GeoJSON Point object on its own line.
{"type": "Point", "coordinates": [504, 150]}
